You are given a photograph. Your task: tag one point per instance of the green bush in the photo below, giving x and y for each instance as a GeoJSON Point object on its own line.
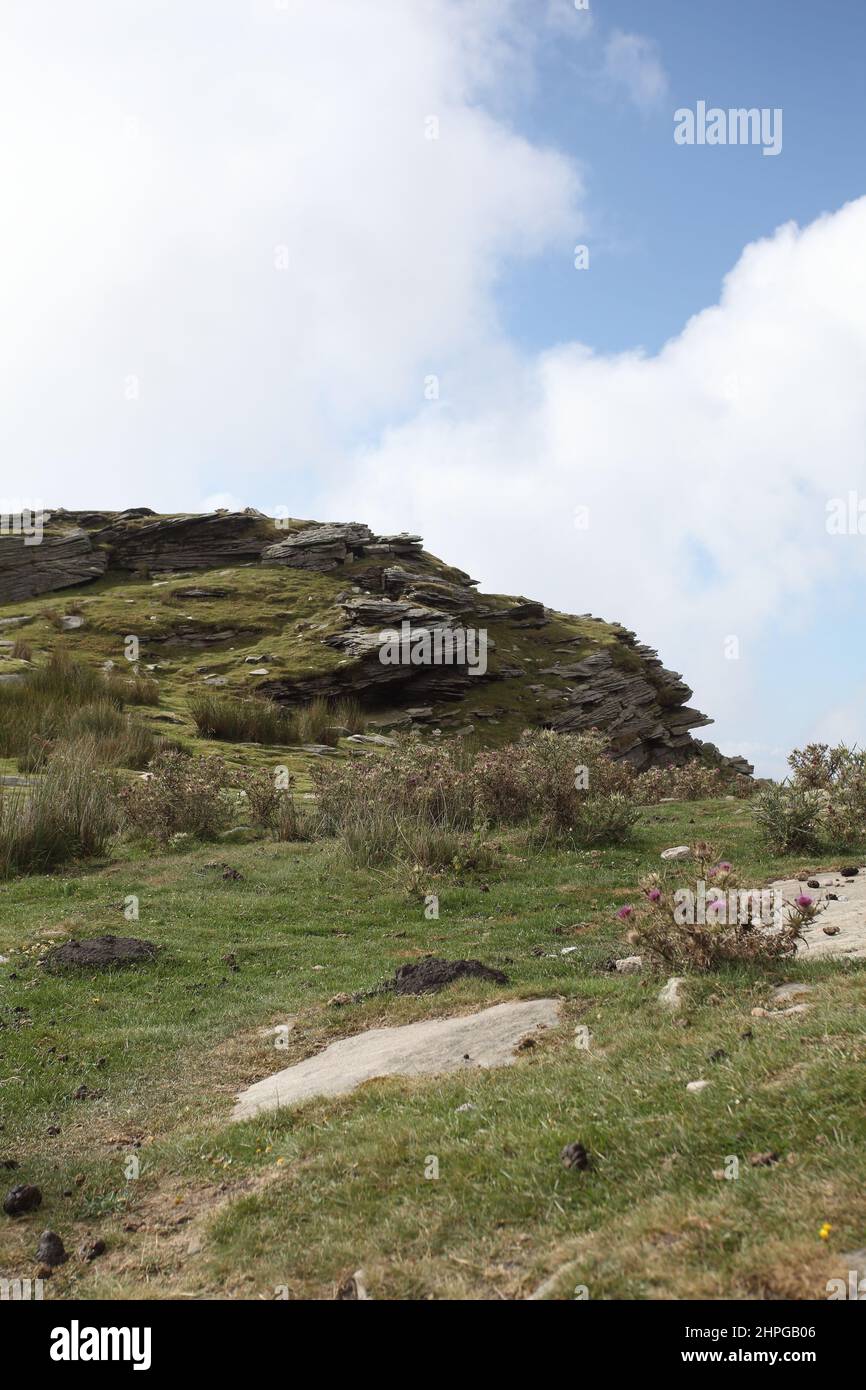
{"type": "Point", "coordinates": [567, 786]}
{"type": "Point", "coordinates": [839, 775]}
{"type": "Point", "coordinates": [789, 817]}
{"type": "Point", "coordinates": [271, 806]}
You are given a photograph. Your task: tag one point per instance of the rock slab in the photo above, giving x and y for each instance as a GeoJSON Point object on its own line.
{"type": "Point", "coordinates": [431, 1047]}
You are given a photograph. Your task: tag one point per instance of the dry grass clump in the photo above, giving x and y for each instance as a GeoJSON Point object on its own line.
{"type": "Point", "coordinates": [70, 812]}
{"type": "Point", "coordinates": [240, 719]}
{"type": "Point", "coordinates": [64, 701]}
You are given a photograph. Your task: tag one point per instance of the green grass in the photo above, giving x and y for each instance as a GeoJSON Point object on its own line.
{"type": "Point", "coordinates": [302, 1198]}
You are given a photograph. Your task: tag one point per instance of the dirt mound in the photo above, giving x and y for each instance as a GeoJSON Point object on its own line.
{"type": "Point", "coordinates": [100, 952]}
{"type": "Point", "coordinates": [428, 975]}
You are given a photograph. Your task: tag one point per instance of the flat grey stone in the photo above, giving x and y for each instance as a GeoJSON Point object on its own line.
{"type": "Point", "coordinates": [847, 912]}
{"type": "Point", "coordinates": [431, 1047]}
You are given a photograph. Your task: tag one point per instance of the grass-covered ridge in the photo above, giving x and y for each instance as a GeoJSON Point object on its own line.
{"type": "Point", "coordinates": [256, 625]}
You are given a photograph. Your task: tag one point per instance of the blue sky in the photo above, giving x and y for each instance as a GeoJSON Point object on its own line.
{"type": "Point", "coordinates": [233, 260]}
{"type": "Point", "coordinates": [666, 224]}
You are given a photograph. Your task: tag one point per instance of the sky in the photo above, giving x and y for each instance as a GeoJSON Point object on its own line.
{"type": "Point", "coordinates": [441, 265]}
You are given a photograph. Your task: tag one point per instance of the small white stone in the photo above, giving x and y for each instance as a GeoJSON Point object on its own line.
{"type": "Point", "coordinates": [677, 852]}
{"type": "Point", "coordinates": [696, 1086]}
{"type": "Point", "coordinates": [671, 997]}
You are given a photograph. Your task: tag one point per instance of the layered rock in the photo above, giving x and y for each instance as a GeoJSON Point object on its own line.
{"type": "Point", "coordinates": [182, 542]}
{"type": "Point", "coordinates": [643, 711]}
{"type": "Point", "coordinates": [327, 546]}
{"type": "Point", "coordinates": [57, 562]}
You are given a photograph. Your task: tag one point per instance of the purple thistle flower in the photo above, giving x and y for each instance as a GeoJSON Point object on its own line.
{"type": "Point", "coordinates": [804, 900]}
{"type": "Point", "coordinates": [625, 911]}
{"type": "Point", "coordinates": [654, 894]}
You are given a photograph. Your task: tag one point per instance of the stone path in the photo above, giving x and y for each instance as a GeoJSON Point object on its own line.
{"type": "Point", "coordinates": [431, 1047]}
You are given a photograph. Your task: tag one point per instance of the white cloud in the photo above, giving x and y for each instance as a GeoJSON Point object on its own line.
{"type": "Point", "coordinates": [633, 65]}
{"type": "Point", "coordinates": [229, 248]}
{"type": "Point", "coordinates": [161, 163]}
{"type": "Point", "coordinates": [706, 470]}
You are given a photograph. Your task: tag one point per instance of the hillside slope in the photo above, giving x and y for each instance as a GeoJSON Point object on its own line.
{"type": "Point", "coordinates": [295, 609]}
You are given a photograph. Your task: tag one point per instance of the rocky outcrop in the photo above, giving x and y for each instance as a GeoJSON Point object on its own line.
{"type": "Point", "coordinates": [598, 676]}
{"type": "Point", "coordinates": [57, 562]}
{"type": "Point", "coordinates": [327, 546]}
{"type": "Point", "coordinates": [643, 711]}
{"type": "Point", "coordinates": [183, 542]}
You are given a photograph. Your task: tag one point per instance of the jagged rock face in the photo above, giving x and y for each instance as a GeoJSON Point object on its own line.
{"type": "Point", "coordinates": [57, 562]}
{"type": "Point", "coordinates": [628, 708]}
{"type": "Point", "coordinates": [620, 686]}
{"type": "Point", "coordinates": [332, 544]}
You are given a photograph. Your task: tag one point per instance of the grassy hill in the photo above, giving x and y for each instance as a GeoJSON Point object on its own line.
{"type": "Point", "coordinates": [292, 610]}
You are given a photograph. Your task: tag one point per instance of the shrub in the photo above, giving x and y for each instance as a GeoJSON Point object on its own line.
{"type": "Point", "coordinates": [271, 806]}
{"type": "Point", "coordinates": [694, 781]}
{"type": "Point", "coordinates": [567, 782]}
{"type": "Point", "coordinates": [70, 812]}
{"type": "Point", "coordinates": [838, 776]}
{"type": "Point", "coordinates": [670, 936]}
{"type": "Point", "coordinates": [580, 792]}
{"type": "Point", "coordinates": [788, 817]}
{"type": "Point", "coordinates": [242, 720]}
{"type": "Point", "coordinates": [817, 765]}
{"type": "Point", "coordinates": [376, 835]}
{"type": "Point", "coordinates": [596, 820]}
{"type": "Point", "coordinates": [846, 811]}
{"type": "Point", "coordinates": [428, 782]}
{"type": "Point", "coordinates": [180, 795]}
